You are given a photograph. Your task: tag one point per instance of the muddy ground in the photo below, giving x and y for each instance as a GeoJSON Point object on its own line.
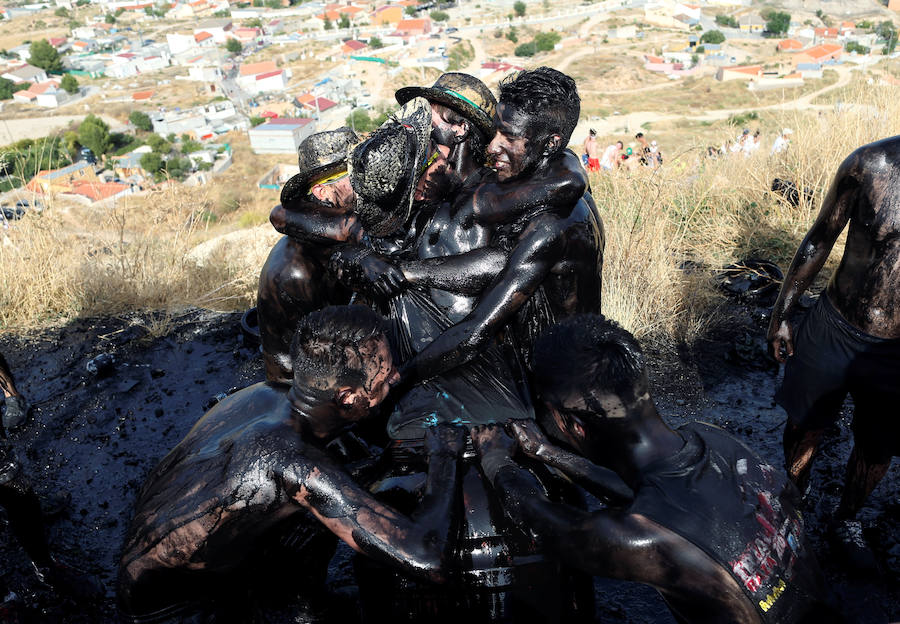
{"type": "Point", "coordinates": [97, 437]}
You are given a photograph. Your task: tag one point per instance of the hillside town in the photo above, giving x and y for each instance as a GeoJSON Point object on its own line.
{"type": "Point", "coordinates": [108, 98]}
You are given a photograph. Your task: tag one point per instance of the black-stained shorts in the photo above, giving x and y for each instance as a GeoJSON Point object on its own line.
{"type": "Point", "coordinates": [831, 358]}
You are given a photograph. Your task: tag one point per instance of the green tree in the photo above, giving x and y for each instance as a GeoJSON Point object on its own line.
{"type": "Point", "coordinates": [8, 87]}
{"type": "Point", "coordinates": [526, 49]}
{"type": "Point", "coordinates": [61, 12]}
{"type": "Point", "coordinates": [94, 134]}
{"type": "Point", "coordinates": [439, 16]}
{"type": "Point", "coordinates": [171, 138]}
{"type": "Point", "coordinates": [885, 30]}
{"type": "Point", "coordinates": [152, 163]}
{"type": "Point", "coordinates": [141, 121]}
{"type": "Point", "coordinates": [45, 56]}
{"type": "Point", "coordinates": [344, 22]}
{"type": "Point", "coordinates": [778, 22]}
{"type": "Point", "coordinates": [233, 45]}
{"type": "Point", "coordinates": [712, 36]}
{"type": "Point", "coordinates": [178, 168]}
{"type": "Point", "coordinates": [110, 18]}
{"type": "Point", "coordinates": [410, 10]}
{"type": "Point", "coordinates": [255, 121]}
{"type": "Point", "coordinates": [158, 144]}
{"type": "Point", "coordinates": [69, 84]}
{"type": "Point", "coordinates": [727, 20]}
{"type": "Point", "coordinates": [519, 8]}
{"type": "Point", "coordinates": [854, 46]}
{"type": "Point", "coordinates": [70, 142]}
{"type": "Point", "coordinates": [546, 41]}
{"type": "Point", "coordinates": [328, 25]}
{"type": "Point", "coordinates": [512, 35]}
{"type": "Point", "coordinates": [273, 4]}
{"type": "Point", "coordinates": [253, 22]}
{"type": "Point", "coordinates": [190, 146]}
{"type": "Point", "coordinates": [359, 120]}
{"type": "Point", "coordinates": [375, 43]}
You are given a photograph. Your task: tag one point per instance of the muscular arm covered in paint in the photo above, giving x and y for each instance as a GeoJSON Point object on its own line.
{"type": "Point", "coordinates": [811, 256]}
{"type": "Point", "coordinates": [540, 246]}
{"type": "Point", "coordinates": [316, 222]}
{"type": "Point", "coordinates": [599, 481]}
{"type": "Point", "coordinates": [591, 541]}
{"type": "Point", "coordinates": [558, 186]}
{"type": "Point", "coordinates": [417, 545]}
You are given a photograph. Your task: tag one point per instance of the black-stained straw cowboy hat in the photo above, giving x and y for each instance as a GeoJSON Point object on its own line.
{"type": "Point", "coordinates": [319, 155]}
{"type": "Point", "coordinates": [465, 94]}
{"type": "Point", "coordinates": [385, 167]}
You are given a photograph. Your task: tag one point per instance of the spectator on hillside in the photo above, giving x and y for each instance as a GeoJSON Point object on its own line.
{"type": "Point", "coordinates": [611, 156]}
{"type": "Point", "coordinates": [782, 141]}
{"type": "Point", "coordinates": [592, 151]}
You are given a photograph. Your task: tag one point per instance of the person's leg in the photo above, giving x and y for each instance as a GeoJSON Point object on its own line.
{"type": "Point", "coordinates": [800, 447]}
{"type": "Point", "coordinates": [864, 471]}
{"type": "Point", "coordinates": [814, 388]}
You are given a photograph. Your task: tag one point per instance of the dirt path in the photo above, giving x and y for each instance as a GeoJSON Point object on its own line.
{"type": "Point", "coordinates": [611, 125]}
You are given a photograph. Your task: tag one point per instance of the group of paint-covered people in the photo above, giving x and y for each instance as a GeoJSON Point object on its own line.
{"type": "Point", "coordinates": [476, 370]}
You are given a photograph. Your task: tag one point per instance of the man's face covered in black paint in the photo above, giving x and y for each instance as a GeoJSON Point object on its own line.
{"type": "Point", "coordinates": [516, 147]}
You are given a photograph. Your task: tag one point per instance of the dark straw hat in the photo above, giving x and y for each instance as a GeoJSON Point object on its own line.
{"type": "Point", "coordinates": [465, 94]}
{"type": "Point", "coordinates": [319, 155]}
{"type": "Point", "coordinates": [385, 167]}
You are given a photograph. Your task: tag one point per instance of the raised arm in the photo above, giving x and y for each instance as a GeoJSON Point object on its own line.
{"type": "Point", "coordinates": [599, 481]}
{"type": "Point", "coordinates": [418, 545]}
{"type": "Point", "coordinates": [539, 248]}
{"type": "Point", "coordinates": [812, 254]}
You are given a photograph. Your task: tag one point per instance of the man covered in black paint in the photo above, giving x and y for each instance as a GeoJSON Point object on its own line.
{"type": "Point", "coordinates": [850, 340]}
{"type": "Point", "coordinates": [543, 256]}
{"type": "Point", "coordinates": [254, 480]}
{"type": "Point", "coordinates": [712, 526]}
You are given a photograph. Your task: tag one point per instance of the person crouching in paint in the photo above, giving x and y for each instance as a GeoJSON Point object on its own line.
{"type": "Point", "coordinates": [713, 527]}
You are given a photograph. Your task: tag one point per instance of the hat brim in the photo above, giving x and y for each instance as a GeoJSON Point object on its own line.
{"type": "Point", "coordinates": [297, 187]}
{"type": "Point", "coordinates": [467, 110]}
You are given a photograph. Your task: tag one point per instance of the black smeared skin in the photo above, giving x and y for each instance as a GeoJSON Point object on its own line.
{"type": "Point", "coordinates": [294, 279]}
{"type": "Point", "coordinates": [866, 193]}
{"type": "Point", "coordinates": [612, 542]}
{"type": "Point", "coordinates": [251, 463]}
{"type": "Point", "coordinates": [557, 247]}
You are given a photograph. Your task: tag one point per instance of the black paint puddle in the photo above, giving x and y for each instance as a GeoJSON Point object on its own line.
{"type": "Point", "coordinates": [96, 437]}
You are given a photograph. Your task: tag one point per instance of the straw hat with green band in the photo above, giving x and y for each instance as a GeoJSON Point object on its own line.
{"type": "Point", "coordinates": [320, 156]}
{"type": "Point", "coordinates": [465, 94]}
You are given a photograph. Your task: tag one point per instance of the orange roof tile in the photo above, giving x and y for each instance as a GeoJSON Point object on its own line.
{"type": "Point", "coordinates": [251, 69]}
{"type": "Point", "coordinates": [142, 95]}
{"type": "Point", "coordinates": [97, 191]}
{"type": "Point", "coordinates": [201, 36]}
{"type": "Point", "coordinates": [823, 50]}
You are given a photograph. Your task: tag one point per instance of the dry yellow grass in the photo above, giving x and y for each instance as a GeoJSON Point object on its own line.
{"type": "Point", "coordinates": [714, 212]}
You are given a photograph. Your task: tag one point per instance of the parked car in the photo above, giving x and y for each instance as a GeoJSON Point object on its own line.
{"type": "Point", "coordinates": [88, 155]}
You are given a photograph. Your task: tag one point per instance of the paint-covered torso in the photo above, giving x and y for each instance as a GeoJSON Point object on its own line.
{"type": "Point", "coordinates": [208, 503]}
{"type": "Point", "coordinates": [720, 496]}
{"type": "Point", "coordinates": [864, 287]}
